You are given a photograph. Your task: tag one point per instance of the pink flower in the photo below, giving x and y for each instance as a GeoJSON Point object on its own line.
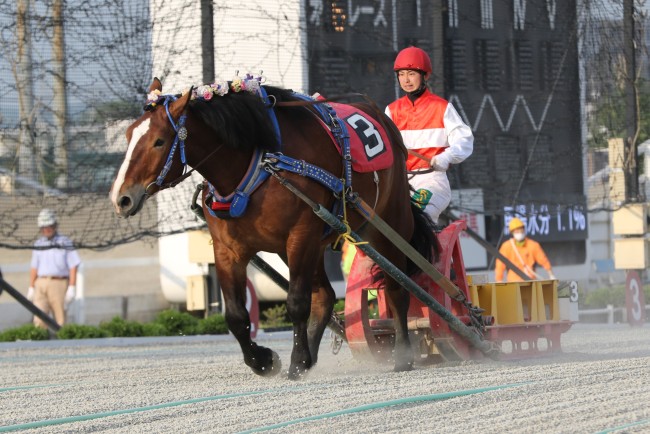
{"type": "Point", "coordinates": [207, 94]}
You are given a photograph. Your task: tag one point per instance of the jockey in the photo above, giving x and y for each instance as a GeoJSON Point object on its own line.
{"type": "Point", "coordinates": [433, 132]}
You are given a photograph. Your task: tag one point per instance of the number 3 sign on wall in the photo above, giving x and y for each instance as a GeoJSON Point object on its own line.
{"type": "Point", "coordinates": [634, 299]}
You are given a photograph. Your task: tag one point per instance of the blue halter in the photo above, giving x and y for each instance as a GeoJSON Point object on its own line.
{"type": "Point", "coordinates": [179, 140]}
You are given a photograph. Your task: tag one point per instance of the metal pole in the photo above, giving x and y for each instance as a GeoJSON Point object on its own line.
{"type": "Point", "coordinates": [491, 249]}
{"type": "Point", "coordinates": [207, 40]}
{"type": "Point", "coordinates": [631, 113]}
{"type": "Point", "coordinates": [29, 305]}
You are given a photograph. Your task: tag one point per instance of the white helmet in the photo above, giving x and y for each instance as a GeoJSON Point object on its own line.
{"type": "Point", "coordinates": [46, 218]}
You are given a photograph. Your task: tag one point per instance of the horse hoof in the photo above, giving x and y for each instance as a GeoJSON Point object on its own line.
{"type": "Point", "coordinates": [271, 370]}
{"type": "Point", "coordinates": [297, 374]}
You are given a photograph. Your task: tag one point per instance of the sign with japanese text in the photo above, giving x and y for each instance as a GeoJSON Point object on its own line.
{"type": "Point", "coordinates": [549, 222]}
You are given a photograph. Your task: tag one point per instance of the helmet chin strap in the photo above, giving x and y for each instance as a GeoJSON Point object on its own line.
{"type": "Point", "coordinates": [412, 96]}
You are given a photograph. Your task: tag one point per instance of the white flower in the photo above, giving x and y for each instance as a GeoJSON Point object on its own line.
{"type": "Point", "coordinates": [153, 96]}
{"type": "Point", "coordinates": [220, 87]}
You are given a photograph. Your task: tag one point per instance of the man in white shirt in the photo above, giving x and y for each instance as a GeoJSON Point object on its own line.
{"type": "Point", "coordinates": [53, 273]}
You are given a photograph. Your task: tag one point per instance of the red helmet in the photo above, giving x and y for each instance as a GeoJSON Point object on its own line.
{"type": "Point", "coordinates": [413, 58]}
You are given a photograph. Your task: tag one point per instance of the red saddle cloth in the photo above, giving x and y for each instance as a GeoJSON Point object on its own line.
{"type": "Point", "coordinates": [369, 145]}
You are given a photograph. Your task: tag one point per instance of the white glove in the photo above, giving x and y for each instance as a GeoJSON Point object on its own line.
{"type": "Point", "coordinates": [30, 293]}
{"type": "Point", "coordinates": [69, 294]}
{"type": "Point", "coordinates": [440, 164]}
{"type": "Point", "coordinates": [551, 276]}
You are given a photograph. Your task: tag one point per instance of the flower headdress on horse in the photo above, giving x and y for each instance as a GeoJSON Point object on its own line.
{"type": "Point", "coordinates": [249, 83]}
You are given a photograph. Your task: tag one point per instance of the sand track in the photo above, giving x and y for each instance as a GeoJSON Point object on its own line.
{"type": "Point", "coordinates": [199, 384]}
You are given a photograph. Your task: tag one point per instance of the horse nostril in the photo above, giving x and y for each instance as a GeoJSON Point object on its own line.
{"type": "Point", "coordinates": [125, 202]}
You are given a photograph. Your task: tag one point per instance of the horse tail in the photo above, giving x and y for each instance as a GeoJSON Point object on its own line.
{"type": "Point", "coordinates": [424, 239]}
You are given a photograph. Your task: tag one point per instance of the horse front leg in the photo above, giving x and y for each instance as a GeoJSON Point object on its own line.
{"type": "Point", "coordinates": [301, 270]}
{"type": "Point", "coordinates": [232, 278]}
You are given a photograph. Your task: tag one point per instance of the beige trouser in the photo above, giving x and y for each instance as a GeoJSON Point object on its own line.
{"type": "Point", "coordinates": [49, 296]}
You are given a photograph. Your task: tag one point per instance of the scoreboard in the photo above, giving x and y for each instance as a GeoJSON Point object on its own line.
{"type": "Point", "coordinates": [509, 67]}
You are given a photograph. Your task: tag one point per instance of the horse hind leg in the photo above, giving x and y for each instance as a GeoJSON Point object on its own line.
{"type": "Point", "coordinates": [398, 300]}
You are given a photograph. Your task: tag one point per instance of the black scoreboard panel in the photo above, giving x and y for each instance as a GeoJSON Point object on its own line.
{"type": "Point", "coordinates": [352, 44]}
{"type": "Point", "coordinates": [510, 67]}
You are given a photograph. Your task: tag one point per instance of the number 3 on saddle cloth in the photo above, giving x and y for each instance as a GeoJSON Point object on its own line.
{"type": "Point", "coordinates": [370, 150]}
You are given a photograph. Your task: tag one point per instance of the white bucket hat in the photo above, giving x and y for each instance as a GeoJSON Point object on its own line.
{"type": "Point", "coordinates": [46, 218]}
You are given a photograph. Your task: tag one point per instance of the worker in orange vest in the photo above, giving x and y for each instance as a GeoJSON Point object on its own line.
{"type": "Point", "coordinates": [523, 252]}
{"type": "Point", "coordinates": [433, 132]}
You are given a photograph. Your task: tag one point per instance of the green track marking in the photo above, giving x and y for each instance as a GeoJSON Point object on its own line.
{"type": "Point", "coordinates": [629, 425]}
{"type": "Point", "coordinates": [377, 405]}
{"type": "Point", "coordinates": [84, 417]}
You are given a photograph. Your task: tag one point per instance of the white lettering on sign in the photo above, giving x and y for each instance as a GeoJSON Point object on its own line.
{"type": "Point", "coordinates": [487, 14]}
{"type": "Point", "coordinates": [538, 219]}
{"type": "Point", "coordinates": [576, 220]}
{"type": "Point", "coordinates": [371, 139]}
{"type": "Point", "coordinates": [634, 298]}
{"type": "Point", "coordinates": [573, 292]}
{"type": "Point", "coordinates": [355, 13]}
{"type": "Point", "coordinates": [519, 7]}
{"type": "Point", "coordinates": [317, 12]}
{"type": "Point", "coordinates": [452, 6]}
{"type": "Point", "coordinates": [550, 8]}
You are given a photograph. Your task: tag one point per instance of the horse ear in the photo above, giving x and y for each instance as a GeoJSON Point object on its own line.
{"type": "Point", "coordinates": [178, 107]}
{"type": "Point", "coordinates": [155, 85]}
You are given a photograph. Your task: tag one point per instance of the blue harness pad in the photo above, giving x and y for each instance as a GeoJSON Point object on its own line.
{"type": "Point", "coordinates": [234, 205]}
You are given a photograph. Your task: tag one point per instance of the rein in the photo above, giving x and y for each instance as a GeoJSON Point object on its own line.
{"type": "Point", "coordinates": [184, 176]}
{"type": "Point", "coordinates": [421, 157]}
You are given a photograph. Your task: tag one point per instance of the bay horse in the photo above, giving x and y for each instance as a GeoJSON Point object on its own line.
{"type": "Point", "coordinates": [223, 132]}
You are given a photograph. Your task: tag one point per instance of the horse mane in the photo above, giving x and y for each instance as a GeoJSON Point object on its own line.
{"type": "Point", "coordinates": [240, 120]}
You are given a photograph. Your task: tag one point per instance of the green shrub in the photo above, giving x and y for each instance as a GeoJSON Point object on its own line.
{"type": "Point", "coordinates": [118, 327]}
{"type": "Point", "coordinates": [339, 306]}
{"type": "Point", "coordinates": [213, 325]}
{"type": "Point", "coordinates": [614, 295]}
{"type": "Point", "coordinates": [27, 332]}
{"type": "Point", "coordinates": [275, 316]}
{"type": "Point", "coordinates": [177, 323]}
{"type": "Point", "coordinates": [153, 329]}
{"type": "Point", "coordinates": [80, 331]}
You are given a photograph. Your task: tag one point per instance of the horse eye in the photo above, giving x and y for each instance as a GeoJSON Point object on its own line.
{"type": "Point", "coordinates": [159, 143]}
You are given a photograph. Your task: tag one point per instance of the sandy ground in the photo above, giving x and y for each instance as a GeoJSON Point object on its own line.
{"type": "Point", "coordinates": [600, 383]}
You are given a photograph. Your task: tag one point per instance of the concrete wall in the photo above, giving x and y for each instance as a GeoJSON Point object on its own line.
{"type": "Point", "coordinates": [122, 281]}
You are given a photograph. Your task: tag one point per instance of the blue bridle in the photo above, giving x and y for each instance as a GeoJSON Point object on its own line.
{"type": "Point", "coordinates": [179, 140]}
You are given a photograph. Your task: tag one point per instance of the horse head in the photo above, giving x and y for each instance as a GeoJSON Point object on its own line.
{"type": "Point", "coordinates": [152, 140]}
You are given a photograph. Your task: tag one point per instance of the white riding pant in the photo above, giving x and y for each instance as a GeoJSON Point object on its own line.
{"type": "Point", "coordinates": [432, 193]}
